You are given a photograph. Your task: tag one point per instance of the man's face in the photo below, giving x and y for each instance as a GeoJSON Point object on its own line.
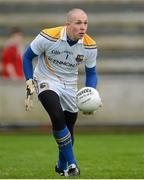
{"type": "Point", "coordinates": [77, 27]}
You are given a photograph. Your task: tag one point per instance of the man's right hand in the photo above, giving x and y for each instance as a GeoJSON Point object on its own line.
{"type": "Point", "coordinates": [30, 89]}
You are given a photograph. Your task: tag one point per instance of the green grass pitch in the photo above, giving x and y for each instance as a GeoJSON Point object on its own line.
{"type": "Point", "coordinates": [98, 155]}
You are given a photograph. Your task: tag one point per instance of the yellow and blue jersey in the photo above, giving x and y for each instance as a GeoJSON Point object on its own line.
{"type": "Point", "coordinates": [59, 61]}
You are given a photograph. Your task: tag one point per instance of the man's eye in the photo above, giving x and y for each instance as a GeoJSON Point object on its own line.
{"type": "Point", "coordinates": [78, 22]}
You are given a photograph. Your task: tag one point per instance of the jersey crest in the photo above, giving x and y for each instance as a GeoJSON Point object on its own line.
{"type": "Point", "coordinates": [79, 58]}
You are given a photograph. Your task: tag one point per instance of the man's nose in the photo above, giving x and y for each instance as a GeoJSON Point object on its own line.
{"type": "Point", "coordinates": [83, 27]}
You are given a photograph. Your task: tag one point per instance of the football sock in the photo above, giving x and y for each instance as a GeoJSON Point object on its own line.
{"type": "Point", "coordinates": [62, 163]}
{"type": "Point", "coordinates": [64, 141]}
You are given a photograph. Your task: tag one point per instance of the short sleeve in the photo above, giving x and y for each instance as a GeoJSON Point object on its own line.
{"type": "Point", "coordinates": [40, 44]}
{"type": "Point", "coordinates": [91, 58]}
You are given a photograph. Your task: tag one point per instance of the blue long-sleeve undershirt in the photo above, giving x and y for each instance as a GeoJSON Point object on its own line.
{"type": "Point", "coordinates": [91, 77]}
{"type": "Point", "coordinates": [27, 63]}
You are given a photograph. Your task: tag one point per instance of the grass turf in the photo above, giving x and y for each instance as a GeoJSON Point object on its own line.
{"type": "Point", "coordinates": [98, 155]}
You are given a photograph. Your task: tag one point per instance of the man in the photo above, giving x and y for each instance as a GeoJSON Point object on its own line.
{"type": "Point", "coordinates": [12, 56]}
{"type": "Point", "coordinates": [60, 50]}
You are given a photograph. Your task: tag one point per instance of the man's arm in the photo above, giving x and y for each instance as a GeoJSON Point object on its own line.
{"type": "Point", "coordinates": [91, 77]}
{"type": "Point", "coordinates": [27, 63]}
{"type": "Point", "coordinates": [28, 71]}
{"type": "Point", "coordinates": [91, 81]}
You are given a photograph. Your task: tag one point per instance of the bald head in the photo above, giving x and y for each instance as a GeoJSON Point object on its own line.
{"type": "Point", "coordinates": [74, 14]}
{"type": "Point", "coordinates": [76, 22]}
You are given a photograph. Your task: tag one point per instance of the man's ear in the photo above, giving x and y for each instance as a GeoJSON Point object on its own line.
{"type": "Point", "coordinates": [67, 23]}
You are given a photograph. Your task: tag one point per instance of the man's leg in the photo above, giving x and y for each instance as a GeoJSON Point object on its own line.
{"type": "Point", "coordinates": [70, 119]}
{"type": "Point", "coordinates": [50, 101]}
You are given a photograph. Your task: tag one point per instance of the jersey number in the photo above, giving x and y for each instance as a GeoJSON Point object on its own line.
{"type": "Point", "coordinates": [67, 56]}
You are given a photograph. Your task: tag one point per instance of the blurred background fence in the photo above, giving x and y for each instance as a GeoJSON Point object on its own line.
{"type": "Point", "coordinates": [118, 28]}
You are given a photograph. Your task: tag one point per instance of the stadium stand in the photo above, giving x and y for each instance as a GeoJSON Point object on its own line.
{"type": "Point", "coordinates": [118, 26]}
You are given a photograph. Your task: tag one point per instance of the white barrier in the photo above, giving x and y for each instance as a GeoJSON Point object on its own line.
{"type": "Point", "coordinates": [122, 97]}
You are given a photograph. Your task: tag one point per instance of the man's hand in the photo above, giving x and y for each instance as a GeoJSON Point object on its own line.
{"type": "Point", "coordinates": [30, 89]}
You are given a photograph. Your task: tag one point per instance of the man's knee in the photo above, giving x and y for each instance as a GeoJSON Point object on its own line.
{"type": "Point", "coordinates": [51, 102]}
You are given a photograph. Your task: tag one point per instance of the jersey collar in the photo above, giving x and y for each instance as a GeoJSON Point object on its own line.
{"type": "Point", "coordinates": [63, 36]}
